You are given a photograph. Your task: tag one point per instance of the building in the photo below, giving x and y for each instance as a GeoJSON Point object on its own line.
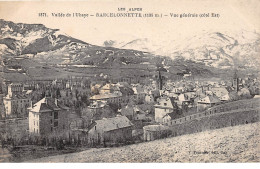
{"type": "Point", "coordinates": [120, 94]}
{"type": "Point", "coordinates": [16, 105]}
{"type": "Point", "coordinates": [16, 101]}
{"type": "Point", "coordinates": [185, 98]}
{"type": "Point", "coordinates": [98, 105]}
{"type": "Point", "coordinates": [163, 107]}
{"type": "Point", "coordinates": [178, 90]}
{"type": "Point", "coordinates": [110, 130]}
{"type": "Point", "coordinates": [48, 117]}
{"type": "Point", "coordinates": [128, 79]}
{"type": "Point", "coordinates": [133, 112]}
{"type": "Point", "coordinates": [171, 116]}
{"type": "Point", "coordinates": [15, 88]}
{"type": "Point", "coordinates": [98, 110]}
{"type": "Point", "coordinates": [114, 98]}
{"type": "Point", "coordinates": [207, 102]}
{"type": "Point", "coordinates": [153, 132]}
{"type": "Point", "coordinates": [108, 88]}
{"type": "Point", "coordinates": [139, 93]}
{"type": "Point", "coordinates": [219, 91]}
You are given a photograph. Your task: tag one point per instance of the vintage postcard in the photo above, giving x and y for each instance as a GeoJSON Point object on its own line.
{"type": "Point", "coordinates": [112, 81]}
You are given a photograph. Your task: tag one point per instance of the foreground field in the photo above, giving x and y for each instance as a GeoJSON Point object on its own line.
{"type": "Point", "coordinates": [232, 144]}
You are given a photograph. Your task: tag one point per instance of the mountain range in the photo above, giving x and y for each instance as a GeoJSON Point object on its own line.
{"type": "Point", "coordinates": [200, 54]}
{"type": "Point", "coordinates": [52, 46]}
{"type": "Point", "coordinates": [221, 50]}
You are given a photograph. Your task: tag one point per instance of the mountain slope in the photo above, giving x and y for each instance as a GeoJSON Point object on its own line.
{"type": "Point", "coordinates": [215, 49]}
{"type": "Point", "coordinates": [51, 45]}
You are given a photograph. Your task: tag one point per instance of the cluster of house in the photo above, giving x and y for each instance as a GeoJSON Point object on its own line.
{"type": "Point", "coordinates": [99, 122]}
{"type": "Point", "coordinates": [122, 93]}
{"type": "Point", "coordinates": [200, 97]}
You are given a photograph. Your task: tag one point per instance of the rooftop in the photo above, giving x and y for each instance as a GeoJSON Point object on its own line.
{"type": "Point", "coordinates": [155, 127]}
{"type": "Point", "coordinates": [105, 96]}
{"type": "Point", "coordinates": [46, 105]}
{"type": "Point", "coordinates": [209, 99]}
{"type": "Point", "coordinates": [109, 124]}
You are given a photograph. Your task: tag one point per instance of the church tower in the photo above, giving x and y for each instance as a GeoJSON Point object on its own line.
{"type": "Point", "coordinates": [160, 81]}
{"type": "Point", "coordinates": [235, 82]}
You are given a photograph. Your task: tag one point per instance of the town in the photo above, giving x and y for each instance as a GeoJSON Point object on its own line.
{"type": "Point", "coordinates": [101, 112]}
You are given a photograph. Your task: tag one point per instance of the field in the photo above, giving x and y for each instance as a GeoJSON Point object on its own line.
{"type": "Point", "coordinates": [231, 144]}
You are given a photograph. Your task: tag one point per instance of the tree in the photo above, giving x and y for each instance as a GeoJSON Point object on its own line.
{"type": "Point", "coordinates": [233, 96]}
{"type": "Point", "coordinates": [244, 93]}
{"type": "Point", "coordinates": [114, 107]}
{"type": "Point", "coordinates": [58, 93]}
{"type": "Point", "coordinates": [43, 94]}
{"type": "Point", "coordinates": [85, 99]}
{"type": "Point", "coordinates": [77, 94]}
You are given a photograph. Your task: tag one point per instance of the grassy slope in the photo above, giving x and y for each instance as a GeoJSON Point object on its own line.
{"type": "Point", "coordinates": [231, 144]}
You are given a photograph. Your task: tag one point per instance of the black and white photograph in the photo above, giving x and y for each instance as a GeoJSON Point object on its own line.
{"type": "Point", "coordinates": [130, 81]}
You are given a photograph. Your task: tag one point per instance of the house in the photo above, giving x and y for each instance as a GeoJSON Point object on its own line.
{"type": "Point", "coordinates": [98, 105]}
{"type": "Point", "coordinates": [95, 88]}
{"type": "Point", "coordinates": [173, 95]}
{"type": "Point", "coordinates": [171, 116]}
{"type": "Point", "coordinates": [207, 102]}
{"type": "Point", "coordinates": [17, 101]}
{"type": "Point", "coordinates": [184, 98]}
{"type": "Point", "coordinates": [120, 94]}
{"type": "Point", "coordinates": [153, 132]}
{"type": "Point", "coordinates": [97, 110]}
{"type": "Point", "coordinates": [115, 98]}
{"type": "Point", "coordinates": [133, 112]}
{"type": "Point", "coordinates": [149, 98]}
{"type": "Point", "coordinates": [112, 130]}
{"type": "Point", "coordinates": [178, 90]}
{"type": "Point", "coordinates": [48, 117]}
{"type": "Point", "coordinates": [164, 92]}
{"type": "Point", "coordinates": [16, 105]}
{"type": "Point", "coordinates": [219, 91]}
{"type": "Point", "coordinates": [139, 94]}
{"type": "Point", "coordinates": [201, 92]}
{"type": "Point", "coordinates": [163, 107]}
{"type": "Point", "coordinates": [108, 88]}
{"type": "Point", "coordinates": [15, 88]}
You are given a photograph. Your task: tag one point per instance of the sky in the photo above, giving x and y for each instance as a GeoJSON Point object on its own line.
{"type": "Point", "coordinates": [235, 15]}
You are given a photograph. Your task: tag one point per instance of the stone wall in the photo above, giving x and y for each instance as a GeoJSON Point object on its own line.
{"type": "Point", "coordinates": [225, 115]}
